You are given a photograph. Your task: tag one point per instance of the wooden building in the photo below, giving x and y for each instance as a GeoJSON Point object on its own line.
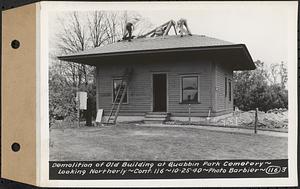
{"type": "Point", "coordinates": [172, 76]}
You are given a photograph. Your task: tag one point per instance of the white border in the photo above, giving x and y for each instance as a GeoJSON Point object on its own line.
{"type": "Point", "coordinates": [42, 90]}
{"type": "Point", "coordinates": [38, 94]}
{"type": "Point", "coordinates": [44, 95]}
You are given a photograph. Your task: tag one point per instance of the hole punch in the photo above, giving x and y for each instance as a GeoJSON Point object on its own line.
{"type": "Point", "coordinates": [15, 147]}
{"type": "Point", "coordinates": [15, 44]}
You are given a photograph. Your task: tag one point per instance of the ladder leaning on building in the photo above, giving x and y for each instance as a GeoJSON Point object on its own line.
{"type": "Point", "coordinates": [119, 97]}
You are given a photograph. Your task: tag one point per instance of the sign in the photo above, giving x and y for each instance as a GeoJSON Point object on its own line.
{"type": "Point", "coordinates": [99, 116]}
{"type": "Point", "coordinates": [82, 100]}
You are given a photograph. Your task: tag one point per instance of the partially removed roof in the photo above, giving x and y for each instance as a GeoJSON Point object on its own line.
{"type": "Point", "coordinates": [162, 44]}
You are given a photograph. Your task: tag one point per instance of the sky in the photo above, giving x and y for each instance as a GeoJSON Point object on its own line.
{"type": "Point", "coordinates": [265, 27]}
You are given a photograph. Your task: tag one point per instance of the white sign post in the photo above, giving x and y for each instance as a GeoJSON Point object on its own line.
{"type": "Point", "coordinates": [81, 98]}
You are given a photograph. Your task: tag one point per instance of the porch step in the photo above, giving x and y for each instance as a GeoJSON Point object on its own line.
{"type": "Point", "coordinates": [156, 117]}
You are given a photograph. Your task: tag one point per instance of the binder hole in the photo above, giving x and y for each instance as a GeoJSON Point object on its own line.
{"type": "Point", "coordinates": [15, 44]}
{"type": "Point", "coordinates": [15, 147]}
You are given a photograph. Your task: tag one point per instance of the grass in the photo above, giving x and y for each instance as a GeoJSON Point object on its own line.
{"type": "Point", "coordinates": [130, 142]}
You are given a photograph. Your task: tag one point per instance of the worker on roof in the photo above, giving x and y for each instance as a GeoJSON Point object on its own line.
{"type": "Point", "coordinates": [183, 27]}
{"type": "Point", "coordinates": [129, 27]}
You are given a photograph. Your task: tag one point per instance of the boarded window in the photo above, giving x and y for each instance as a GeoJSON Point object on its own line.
{"type": "Point", "coordinates": [229, 89]}
{"type": "Point", "coordinates": [189, 89]}
{"type": "Point", "coordinates": [118, 88]}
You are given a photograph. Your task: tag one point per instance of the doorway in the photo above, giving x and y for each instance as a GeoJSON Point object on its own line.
{"type": "Point", "coordinates": [159, 92]}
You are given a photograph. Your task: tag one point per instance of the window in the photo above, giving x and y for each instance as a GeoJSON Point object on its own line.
{"type": "Point", "coordinates": [225, 87]}
{"type": "Point", "coordinates": [189, 87]}
{"type": "Point", "coordinates": [117, 84]}
{"type": "Point", "coordinates": [229, 89]}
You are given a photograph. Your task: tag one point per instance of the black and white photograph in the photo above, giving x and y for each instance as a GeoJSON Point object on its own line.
{"type": "Point", "coordinates": [199, 87]}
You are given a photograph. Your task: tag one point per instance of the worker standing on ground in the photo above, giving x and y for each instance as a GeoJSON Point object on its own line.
{"type": "Point", "coordinates": [183, 27]}
{"type": "Point", "coordinates": [129, 27]}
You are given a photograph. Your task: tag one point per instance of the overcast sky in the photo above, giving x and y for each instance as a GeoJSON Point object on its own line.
{"type": "Point", "coordinates": [264, 27]}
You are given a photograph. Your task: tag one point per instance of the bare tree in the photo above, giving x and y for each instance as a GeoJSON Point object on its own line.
{"type": "Point", "coordinates": [98, 29]}
{"type": "Point", "coordinates": [278, 74]}
{"type": "Point", "coordinates": [283, 75]}
{"type": "Point", "coordinates": [81, 31]}
{"type": "Point", "coordinates": [113, 27]}
{"type": "Point", "coordinates": [73, 38]}
{"type": "Point", "coordinates": [273, 73]}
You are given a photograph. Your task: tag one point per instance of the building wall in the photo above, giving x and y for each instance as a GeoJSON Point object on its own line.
{"type": "Point", "coordinates": [223, 103]}
{"type": "Point", "coordinates": [203, 70]}
{"type": "Point", "coordinates": [140, 86]}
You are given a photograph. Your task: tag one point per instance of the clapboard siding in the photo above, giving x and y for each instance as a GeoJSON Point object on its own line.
{"type": "Point", "coordinates": [202, 70]}
{"type": "Point", "coordinates": [140, 87]}
{"type": "Point", "coordinates": [138, 92]}
{"type": "Point", "coordinates": [223, 102]}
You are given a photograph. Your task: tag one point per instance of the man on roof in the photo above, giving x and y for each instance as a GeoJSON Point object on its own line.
{"type": "Point", "coordinates": [183, 27]}
{"type": "Point", "coordinates": [129, 27]}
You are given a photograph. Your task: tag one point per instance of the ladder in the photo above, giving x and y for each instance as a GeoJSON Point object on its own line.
{"type": "Point", "coordinates": [122, 90]}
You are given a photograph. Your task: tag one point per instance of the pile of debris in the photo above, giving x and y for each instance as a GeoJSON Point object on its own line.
{"type": "Point", "coordinates": [277, 110]}
{"type": "Point", "coordinates": [274, 119]}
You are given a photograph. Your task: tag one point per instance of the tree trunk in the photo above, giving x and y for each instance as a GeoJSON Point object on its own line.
{"type": "Point", "coordinates": [88, 113]}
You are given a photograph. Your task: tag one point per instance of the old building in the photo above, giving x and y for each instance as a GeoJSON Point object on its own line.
{"type": "Point", "coordinates": [168, 76]}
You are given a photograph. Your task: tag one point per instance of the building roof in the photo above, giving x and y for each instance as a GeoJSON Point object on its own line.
{"type": "Point", "coordinates": [158, 44]}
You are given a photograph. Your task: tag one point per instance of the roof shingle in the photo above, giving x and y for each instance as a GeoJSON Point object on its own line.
{"type": "Point", "coordinates": [236, 54]}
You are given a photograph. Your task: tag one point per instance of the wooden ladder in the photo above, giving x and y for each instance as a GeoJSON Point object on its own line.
{"type": "Point", "coordinates": [122, 90]}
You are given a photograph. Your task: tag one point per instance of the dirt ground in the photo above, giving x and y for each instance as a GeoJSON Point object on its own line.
{"type": "Point", "coordinates": [130, 142]}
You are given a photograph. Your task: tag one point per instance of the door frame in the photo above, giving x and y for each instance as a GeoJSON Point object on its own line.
{"type": "Point", "coordinates": [167, 90]}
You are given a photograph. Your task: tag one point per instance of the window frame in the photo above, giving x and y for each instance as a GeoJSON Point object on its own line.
{"type": "Point", "coordinates": [113, 90]}
{"type": "Point", "coordinates": [181, 88]}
